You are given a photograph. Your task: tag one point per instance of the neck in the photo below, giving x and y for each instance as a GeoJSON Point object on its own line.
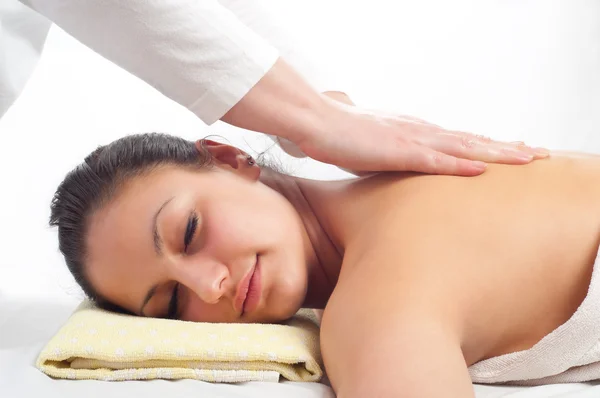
{"type": "Point", "coordinates": [324, 258]}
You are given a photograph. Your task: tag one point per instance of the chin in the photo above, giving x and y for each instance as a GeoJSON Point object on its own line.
{"type": "Point", "coordinates": [291, 307]}
{"type": "Point", "coordinates": [281, 309]}
{"type": "Point", "coordinates": [279, 318]}
{"type": "Point", "coordinates": [285, 294]}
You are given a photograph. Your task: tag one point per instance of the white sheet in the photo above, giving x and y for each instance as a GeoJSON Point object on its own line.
{"type": "Point", "coordinates": [24, 336]}
{"type": "Point", "coordinates": [526, 70]}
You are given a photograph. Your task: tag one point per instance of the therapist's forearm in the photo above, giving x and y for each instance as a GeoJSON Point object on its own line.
{"type": "Point", "coordinates": [284, 104]}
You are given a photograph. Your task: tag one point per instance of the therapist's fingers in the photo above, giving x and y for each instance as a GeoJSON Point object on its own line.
{"type": "Point", "coordinates": [470, 146]}
{"type": "Point", "coordinates": [469, 140]}
{"type": "Point", "coordinates": [537, 153]}
{"type": "Point", "coordinates": [426, 160]}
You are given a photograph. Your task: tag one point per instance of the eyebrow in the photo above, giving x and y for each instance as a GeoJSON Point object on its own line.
{"type": "Point", "coordinates": [158, 249]}
{"type": "Point", "coordinates": [158, 243]}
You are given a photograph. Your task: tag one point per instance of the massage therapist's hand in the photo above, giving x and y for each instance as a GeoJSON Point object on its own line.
{"type": "Point", "coordinates": [362, 140]}
{"type": "Point", "coordinates": [329, 128]}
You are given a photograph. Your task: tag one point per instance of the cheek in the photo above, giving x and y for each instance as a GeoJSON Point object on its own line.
{"type": "Point", "coordinates": [285, 279]}
{"type": "Point", "coordinates": [230, 223]}
{"type": "Point", "coordinates": [241, 229]}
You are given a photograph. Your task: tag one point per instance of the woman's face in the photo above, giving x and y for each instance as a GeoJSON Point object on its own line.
{"type": "Point", "coordinates": [204, 246]}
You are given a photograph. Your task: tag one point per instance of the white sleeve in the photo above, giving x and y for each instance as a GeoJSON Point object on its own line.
{"type": "Point", "coordinates": [261, 20]}
{"type": "Point", "coordinates": [22, 36]}
{"type": "Point", "coordinates": [271, 27]}
{"type": "Point", "coordinates": [195, 52]}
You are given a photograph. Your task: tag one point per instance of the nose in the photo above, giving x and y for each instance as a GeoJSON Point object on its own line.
{"type": "Point", "coordinates": [204, 277]}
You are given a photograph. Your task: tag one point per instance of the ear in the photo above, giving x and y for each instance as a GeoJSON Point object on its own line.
{"type": "Point", "coordinates": [230, 158]}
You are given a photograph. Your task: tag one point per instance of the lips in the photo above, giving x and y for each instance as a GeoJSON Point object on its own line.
{"type": "Point", "coordinates": [254, 291]}
{"type": "Point", "coordinates": [242, 289]}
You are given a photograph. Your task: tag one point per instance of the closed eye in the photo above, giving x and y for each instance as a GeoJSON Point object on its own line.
{"type": "Point", "coordinates": [190, 230]}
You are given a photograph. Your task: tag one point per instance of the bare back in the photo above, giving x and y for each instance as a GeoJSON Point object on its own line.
{"type": "Point", "coordinates": [499, 260]}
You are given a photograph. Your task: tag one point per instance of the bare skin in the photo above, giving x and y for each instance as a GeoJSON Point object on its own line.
{"type": "Point", "coordinates": [406, 266]}
{"type": "Point", "coordinates": [459, 270]}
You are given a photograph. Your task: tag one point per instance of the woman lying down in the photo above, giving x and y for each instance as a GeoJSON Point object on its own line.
{"type": "Point", "coordinates": [428, 282]}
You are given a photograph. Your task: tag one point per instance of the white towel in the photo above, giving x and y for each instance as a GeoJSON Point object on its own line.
{"type": "Point", "coordinates": [570, 353]}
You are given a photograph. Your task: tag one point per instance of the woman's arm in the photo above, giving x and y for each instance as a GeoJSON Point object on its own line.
{"type": "Point", "coordinates": [408, 354]}
{"type": "Point", "coordinates": [395, 323]}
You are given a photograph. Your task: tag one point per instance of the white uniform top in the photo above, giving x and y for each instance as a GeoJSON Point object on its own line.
{"type": "Point", "coordinates": [204, 54]}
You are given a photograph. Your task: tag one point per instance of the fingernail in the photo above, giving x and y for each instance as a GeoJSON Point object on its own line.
{"type": "Point", "coordinates": [519, 155]}
{"type": "Point", "coordinates": [479, 165]}
{"type": "Point", "coordinates": [541, 152]}
{"type": "Point", "coordinates": [524, 156]}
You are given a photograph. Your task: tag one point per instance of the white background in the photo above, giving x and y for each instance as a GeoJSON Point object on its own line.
{"type": "Point", "coordinates": [514, 70]}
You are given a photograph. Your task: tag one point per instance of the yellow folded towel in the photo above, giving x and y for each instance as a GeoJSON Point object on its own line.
{"type": "Point", "coordinates": [97, 344]}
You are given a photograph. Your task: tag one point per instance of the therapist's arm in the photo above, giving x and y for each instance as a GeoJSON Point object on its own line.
{"type": "Point", "coordinates": [273, 28]}
{"type": "Point", "coordinates": [200, 55]}
{"type": "Point", "coordinates": [204, 54]}
{"type": "Point", "coordinates": [290, 43]}
{"type": "Point", "coordinates": [196, 52]}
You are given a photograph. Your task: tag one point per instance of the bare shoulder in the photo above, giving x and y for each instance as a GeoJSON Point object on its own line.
{"type": "Point", "coordinates": [380, 339]}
